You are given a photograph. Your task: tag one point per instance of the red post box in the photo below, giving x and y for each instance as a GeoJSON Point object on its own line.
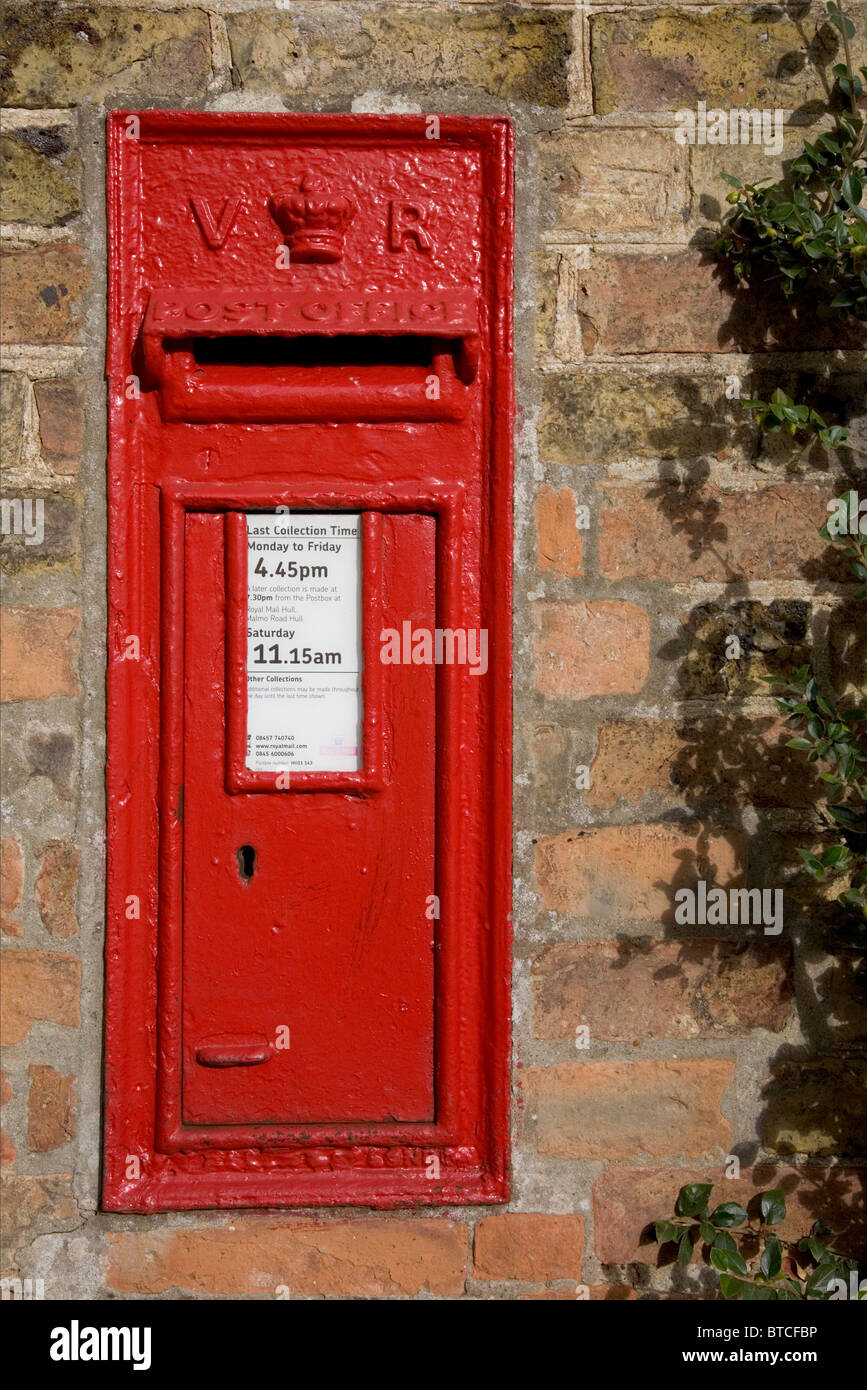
{"type": "Point", "coordinates": [309, 660]}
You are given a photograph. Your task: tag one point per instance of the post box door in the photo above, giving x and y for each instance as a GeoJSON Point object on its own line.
{"type": "Point", "coordinates": [308, 957]}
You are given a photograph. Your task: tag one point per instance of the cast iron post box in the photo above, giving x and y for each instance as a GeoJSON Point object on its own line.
{"type": "Point", "coordinates": [309, 660]}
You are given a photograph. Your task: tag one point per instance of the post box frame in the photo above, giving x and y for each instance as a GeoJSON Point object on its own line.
{"type": "Point", "coordinates": [152, 1161]}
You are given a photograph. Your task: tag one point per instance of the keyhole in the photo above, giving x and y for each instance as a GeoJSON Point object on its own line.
{"type": "Point", "coordinates": [246, 857]}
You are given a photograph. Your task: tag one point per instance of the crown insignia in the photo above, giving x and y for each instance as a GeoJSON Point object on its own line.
{"type": "Point", "coordinates": [313, 220]}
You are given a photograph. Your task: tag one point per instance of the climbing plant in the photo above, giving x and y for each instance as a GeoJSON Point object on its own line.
{"type": "Point", "coordinates": [806, 237]}
{"type": "Point", "coordinates": [753, 1261]}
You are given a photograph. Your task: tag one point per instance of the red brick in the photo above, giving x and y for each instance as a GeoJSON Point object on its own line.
{"type": "Point", "coordinates": [677, 301]}
{"type": "Point", "coordinates": [55, 888]}
{"type": "Point", "coordinates": [713, 535]}
{"type": "Point", "coordinates": [717, 761]}
{"type": "Point", "coordinates": [7, 1148]}
{"type": "Point", "coordinates": [558, 540]}
{"type": "Point", "coordinates": [627, 1109]}
{"type": "Point", "coordinates": [61, 423]}
{"type": "Point", "coordinates": [40, 649]}
{"type": "Point", "coordinates": [631, 990]}
{"type": "Point", "coordinates": [42, 292]}
{"type": "Point", "coordinates": [590, 648]}
{"type": "Point", "coordinates": [528, 1246]}
{"type": "Point", "coordinates": [548, 1295]}
{"type": "Point", "coordinates": [376, 1258]}
{"type": "Point", "coordinates": [11, 883]}
{"type": "Point", "coordinates": [37, 986]}
{"type": "Point", "coordinates": [634, 870]}
{"type": "Point", "coordinates": [612, 1293]}
{"type": "Point", "coordinates": [626, 1201]}
{"type": "Point", "coordinates": [50, 1109]}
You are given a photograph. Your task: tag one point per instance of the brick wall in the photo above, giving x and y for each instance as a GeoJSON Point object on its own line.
{"type": "Point", "coordinates": [653, 524]}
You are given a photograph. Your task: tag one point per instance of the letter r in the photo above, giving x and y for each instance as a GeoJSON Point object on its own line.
{"type": "Point", "coordinates": [409, 220]}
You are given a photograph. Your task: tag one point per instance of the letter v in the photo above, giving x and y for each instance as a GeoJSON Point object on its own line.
{"type": "Point", "coordinates": [215, 232]}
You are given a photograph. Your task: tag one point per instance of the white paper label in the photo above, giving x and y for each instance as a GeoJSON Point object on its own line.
{"type": "Point", "coordinates": [304, 641]}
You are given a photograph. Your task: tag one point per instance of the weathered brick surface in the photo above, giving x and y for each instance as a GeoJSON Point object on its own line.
{"type": "Point", "coordinates": [558, 539]}
{"type": "Point", "coordinates": [612, 181]}
{"type": "Point", "coordinates": [11, 883]}
{"type": "Point", "coordinates": [847, 649]}
{"type": "Point", "coordinates": [37, 985]}
{"type": "Point", "coordinates": [616, 413]}
{"type": "Point", "coordinates": [375, 1258]}
{"type": "Point", "coordinates": [706, 533]}
{"type": "Point", "coordinates": [51, 753]}
{"type": "Point", "coordinates": [42, 295]}
{"type": "Point", "coordinates": [55, 888]}
{"type": "Point", "coordinates": [606, 1110]}
{"type": "Point", "coordinates": [751, 163]}
{"type": "Point", "coordinates": [7, 1148]}
{"type": "Point", "coordinates": [547, 1295]}
{"type": "Point", "coordinates": [591, 1293]}
{"type": "Point", "coordinates": [88, 53]}
{"type": "Point", "coordinates": [670, 58]}
{"type": "Point", "coordinates": [622, 291]}
{"type": "Point", "coordinates": [57, 541]}
{"type": "Point", "coordinates": [590, 648]}
{"type": "Point", "coordinates": [41, 176]}
{"type": "Point", "coordinates": [50, 1109]}
{"type": "Point", "coordinates": [13, 386]}
{"type": "Point", "coordinates": [632, 990]}
{"type": "Point", "coordinates": [816, 1106]}
{"type": "Point", "coordinates": [634, 870]}
{"type": "Point", "coordinates": [32, 1206]}
{"type": "Point", "coordinates": [627, 1201]}
{"type": "Point", "coordinates": [40, 648]}
{"type": "Point", "coordinates": [713, 760]}
{"type": "Point", "coordinates": [528, 1246]}
{"type": "Point", "coordinates": [772, 640]}
{"type": "Point", "coordinates": [335, 51]}
{"type": "Point", "coordinates": [61, 423]}
{"type": "Point", "coordinates": [621, 413]}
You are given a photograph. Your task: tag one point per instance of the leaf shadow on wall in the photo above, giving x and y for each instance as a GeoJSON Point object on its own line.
{"type": "Point", "coordinates": [731, 779]}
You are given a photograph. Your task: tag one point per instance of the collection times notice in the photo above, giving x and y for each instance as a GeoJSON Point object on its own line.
{"type": "Point", "coordinates": [303, 641]}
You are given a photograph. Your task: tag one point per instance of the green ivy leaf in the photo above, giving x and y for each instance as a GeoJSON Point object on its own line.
{"type": "Point", "coordinates": [729, 1286]}
{"type": "Point", "coordinates": [773, 1207]}
{"type": "Point", "coordinates": [772, 1257]}
{"type": "Point", "coordinates": [684, 1249]}
{"type": "Point", "coordinates": [820, 1279]}
{"type": "Point", "coordinates": [729, 1214]}
{"type": "Point", "coordinates": [724, 1241]}
{"type": "Point", "coordinates": [692, 1200]}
